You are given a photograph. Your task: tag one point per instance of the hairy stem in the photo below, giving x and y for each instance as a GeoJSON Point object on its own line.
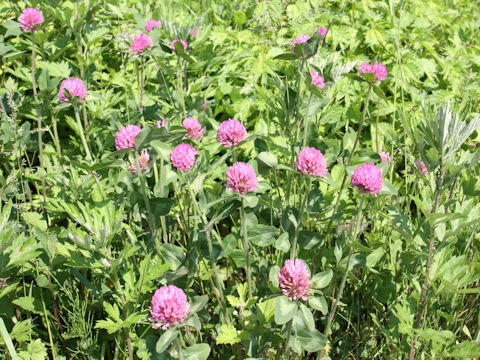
{"type": "Point", "coordinates": [82, 134]}
{"type": "Point", "coordinates": [293, 250]}
{"type": "Point", "coordinates": [331, 315]}
{"type": "Point", "coordinates": [287, 342]}
{"type": "Point", "coordinates": [179, 348]}
{"type": "Point", "coordinates": [39, 119]}
{"type": "Point", "coordinates": [246, 248]}
{"type": "Point", "coordinates": [142, 84]}
{"type": "Point", "coordinates": [431, 247]}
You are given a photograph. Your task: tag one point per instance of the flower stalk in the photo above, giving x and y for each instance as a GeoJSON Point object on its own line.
{"type": "Point", "coordinates": [246, 248]}
{"type": "Point", "coordinates": [82, 134]}
{"type": "Point", "coordinates": [331, 315]}
{"type": "Point", "coordinates": [39, 118]}
{"type": "Point", "coordinates": [293, 250]}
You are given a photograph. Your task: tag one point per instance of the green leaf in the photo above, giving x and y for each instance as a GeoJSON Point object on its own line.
{"type": "Point", "coordinates": [285, 310]}
{"type": "Point", "coordinates": [29, 303]}
{"type": "Point", "coordinates": [355, 77]}
{"type": "Point", "coordinates": [13, 28]}
{"type": "Point", "coordinates": [283, 243]}
{"type": "Point", "coordinates": [166, 339]}
{"type": "Point", "coordinates": [287, 56]}
{"type": "Point", "coordinates": [318, 303]}
{"type": "Point", "coordinates": [290, 219]}
{"type": "Point", "coordinates": [179, 49]}
{"type": "Point", "coordinates": [172, 255]}
{"type": "Point", "coordinates": [35, 219]}
{"type": "Point", "coordinates": [240, 18]}
{"type": "Point", "coordinates": [379, 92]}
{"type": "Point", "coordinates": [349, 139]}
{"type": "Point", "coordinates": [466, 349]}
{"type": "Point", "coordinates": [197, 352]}
{"type": "Point", "coordinates": [444, 337]}
{"type": "Point", "coordinates": [268, 159]}
{"type": "Point", "coordinates": [36, 350]}
{"type": "Point", "coordinates": [308, 317]}
{"type": "Point", "coordinates": [161, 206]}
{"type": "Point", "coordinates": [322, 280]}
{"type": "Point", "coordinates": [198, 304]}
{"type": "Point", "coordinates": [310, 340]}
{"type": "Point", "coordinates": [109, 325]}
{"type": "Point", "coordinates": [227, 335]}
{"type": "Point", "coordinates": [262, 235]}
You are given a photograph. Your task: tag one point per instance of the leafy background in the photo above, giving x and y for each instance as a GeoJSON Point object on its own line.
{"type": "Point", "coordinates": [78, 266]}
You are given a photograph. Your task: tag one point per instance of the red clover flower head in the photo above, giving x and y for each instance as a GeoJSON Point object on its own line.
{"type": "Point", "coordinates": [140, 43]}
{"type": "Point", "coordinates": [322, 31]}
{"type": "Point", "coordinates": [75, 87]}
{"type": "Point", "coordinates": [241, 178]}
{"type": "Point", "coordinates": [125, 137]}
{"type": "Point", "coordinates": [183, 156]}
{"type": "Point", "coordinates": [169, 307]}
{"type": "Point", "coordinates": [143, 160]}
{"type": "Point", "coordinates": [422, 169]}
{"type": "Point", "coordinates": [317, 79]}
{"type": "Point", "coordinates": [29, 19]}
{"type": "Point", "coordinates": [151, 24]}
{"type": "Point", "coordinates": [162, 123]}
{"type": "Point", "coordinates": [184, 43]}
{"type": "Point", "coordinates": [311, 161]}
{"type": "Point", "coordinates": [378, 70]}
{"type": "Point", "coordinates": [231, 132]}
{"type": "Point", "coordinates": [300, 40]}
{"type": "Point", "coordinates": [385, 156]}
{"type": "Point", "coordinates": [294, 280]}
{"type": "Point", "coordinates": [367, 178]}
{"type": "Point", "coordinates": [193, 127]}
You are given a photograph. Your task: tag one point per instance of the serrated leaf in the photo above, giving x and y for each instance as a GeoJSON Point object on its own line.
{"type": "Point", "coordinates": [109, 325]}
{"type": "Point", "coordinates": [227, 335]}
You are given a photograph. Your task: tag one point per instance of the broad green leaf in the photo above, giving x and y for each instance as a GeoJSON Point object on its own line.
{"type": "Point", "coordinates": [318, 303]}
{"type": "Point", "coordinates": [268, 159]}
{"type": "Point", "coordinates": [285, 310]}
{"type": "Point", "coordinates": [322, 280]}
{"type": "Point", "coordinates": [166, 339]}
{"type": "Point", "coordinates": [197, 352]}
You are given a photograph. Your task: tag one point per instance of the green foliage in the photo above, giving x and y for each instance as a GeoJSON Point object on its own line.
{"type": "Point", "coordinates": [84, 243]}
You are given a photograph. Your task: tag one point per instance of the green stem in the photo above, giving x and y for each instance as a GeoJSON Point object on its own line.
{"type": "Point", "coordinates": [210, 247]}
{"type": "Point", "coordinates": [287, 343]}
{"type": "Point", "coordinates": [331, 316]}
{"type": "Point", "coordinates": [293, 250]}
{"type": "Point", "coordinates": [306, 123]}
{"type": "Point", "coordinates": [246, 248]}
{"type": "Point", "coordinates": [151, 218]}
{"type": "Point", "coordinates": [350, 157]}
{"type": "Point", "coordinates": [180, 93]}
{"type": "Point", "coordinates": [431, 248]}
{"type": "Point", "coordinates": [82, 134]}
{"type": "Point", "coordinates": [292, 126]}
{"type": "Point", "coordinates": [7, 340]}
{"type": "Point", "coordinates": [55, 138]}
{"type": "Point", "coordinates": [39, 119]}
{"type": "Point", "coordinates": [142, 83]}
{"type": "Point", "coordinates": [179, 348]}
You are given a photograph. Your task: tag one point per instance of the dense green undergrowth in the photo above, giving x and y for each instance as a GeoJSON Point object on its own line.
{"type": "Point", "coordinates": [84, 242]}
